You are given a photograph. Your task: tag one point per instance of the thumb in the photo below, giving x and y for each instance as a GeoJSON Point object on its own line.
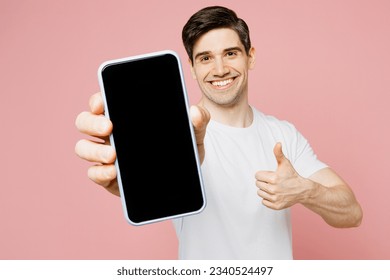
{"type": "Point", "coordinates": [200, 117]}
{"type": "Point", "coordinates": [278, 152]}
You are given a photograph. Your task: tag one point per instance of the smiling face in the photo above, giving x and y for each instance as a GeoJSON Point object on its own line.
{"type": "Point", "coordinates": [221, 67]}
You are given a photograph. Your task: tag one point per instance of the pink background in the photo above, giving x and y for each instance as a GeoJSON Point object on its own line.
{"type": "Point", "coordinates": [323, 65]}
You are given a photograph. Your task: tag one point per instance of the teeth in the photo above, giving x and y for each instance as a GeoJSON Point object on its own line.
{"type": "Point", "coordinates": [222, 83]}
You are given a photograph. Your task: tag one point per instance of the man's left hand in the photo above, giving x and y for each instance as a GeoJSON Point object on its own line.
{"type": "Point", "coordinates": [282, 188]}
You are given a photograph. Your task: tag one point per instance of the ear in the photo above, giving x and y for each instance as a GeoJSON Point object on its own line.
{"type": "Point", "coordinates": [252, 58]}
{"type": "Point", "coordinates": [192, 69]}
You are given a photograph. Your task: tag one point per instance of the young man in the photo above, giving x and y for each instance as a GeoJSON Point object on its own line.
{"type": "Point", "coordinates": [254, 166]}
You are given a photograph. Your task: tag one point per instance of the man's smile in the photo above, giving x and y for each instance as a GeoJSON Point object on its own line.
{"type": "Point", "coordinates": [222, 84]}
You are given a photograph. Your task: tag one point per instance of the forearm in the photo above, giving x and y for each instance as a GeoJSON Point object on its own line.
{"type": "Point", "coordinates": [335, 204]}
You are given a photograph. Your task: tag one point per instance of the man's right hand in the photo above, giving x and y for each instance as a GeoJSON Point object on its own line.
{"type": "Point", "coordinates": [99, 150]}
{"type": "Point", "coordinates": [95, 124]}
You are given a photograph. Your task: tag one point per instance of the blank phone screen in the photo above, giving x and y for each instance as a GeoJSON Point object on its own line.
{"type": "Point", "coordinates": [157, 164]}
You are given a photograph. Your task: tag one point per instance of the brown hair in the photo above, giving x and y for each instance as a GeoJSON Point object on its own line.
{"type": "Point", "coordinates": [210, 18]}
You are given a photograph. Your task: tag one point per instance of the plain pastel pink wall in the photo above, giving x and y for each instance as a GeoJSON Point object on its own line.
{"type": "Point", "coordinates": [323, 65]}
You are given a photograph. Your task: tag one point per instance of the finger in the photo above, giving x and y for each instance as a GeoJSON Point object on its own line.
{"type": "Point", "coordinates": [278, 152]}
{"type": "Point", "coordinates": [266, 196]}
{"type": "Point", "coordinates": [104, 175]}
{"type": "Point", "coordinates": [92, 124]}
{"type": "Point", "coordinates": [265, 187]}
{"type": "Point", "coordinates": [95, 152]}
{"type": "Point", "coordinates": [96, 103]}
{"type": "Point", "coordinates": [270, 204]}
{"type": "Point", "coordinates": [266, 176]}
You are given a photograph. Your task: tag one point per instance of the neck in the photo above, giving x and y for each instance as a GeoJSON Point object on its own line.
{"type": "Point", "coordinates": [237, 115]}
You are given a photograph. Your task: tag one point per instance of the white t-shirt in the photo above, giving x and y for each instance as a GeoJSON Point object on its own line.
{"type": "Point", "coordinates": [235, 224]}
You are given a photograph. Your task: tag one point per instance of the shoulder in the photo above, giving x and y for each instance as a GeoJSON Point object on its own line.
{"type": "Point", "coordinates": [273, 123]}
{"type": "Point", "coordinates": [277, 130]}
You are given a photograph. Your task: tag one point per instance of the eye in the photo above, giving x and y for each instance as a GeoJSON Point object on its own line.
{"type": "Point", "coordinates": [231, 53]}
{"type": "Point", "coordinates": [204, 58]}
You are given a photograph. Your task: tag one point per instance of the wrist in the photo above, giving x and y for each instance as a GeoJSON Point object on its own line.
{"type": "Point", "coordinates": [311, 190]}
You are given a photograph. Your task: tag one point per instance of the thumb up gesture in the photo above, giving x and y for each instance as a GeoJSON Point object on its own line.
{"type": "Point", "coordinates": [282, 188]}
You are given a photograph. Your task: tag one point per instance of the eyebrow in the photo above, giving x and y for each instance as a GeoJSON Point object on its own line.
{"type": "Point", "coordinates": [225, 50]}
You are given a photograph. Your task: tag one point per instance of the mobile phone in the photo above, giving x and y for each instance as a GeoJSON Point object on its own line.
{"type": "Point", "coordinates": [157, 164]}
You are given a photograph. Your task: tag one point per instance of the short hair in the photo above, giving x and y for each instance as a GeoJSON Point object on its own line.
{"type": "Point", "coordinates": [213, 17]}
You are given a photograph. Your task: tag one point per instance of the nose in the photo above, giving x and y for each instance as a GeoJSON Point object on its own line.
{"type": "Point", "coordinates": [220, 68]}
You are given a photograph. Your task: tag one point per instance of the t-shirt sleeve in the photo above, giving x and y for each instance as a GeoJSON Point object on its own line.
{"type": "Point", "coordinates": [302, 156]}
